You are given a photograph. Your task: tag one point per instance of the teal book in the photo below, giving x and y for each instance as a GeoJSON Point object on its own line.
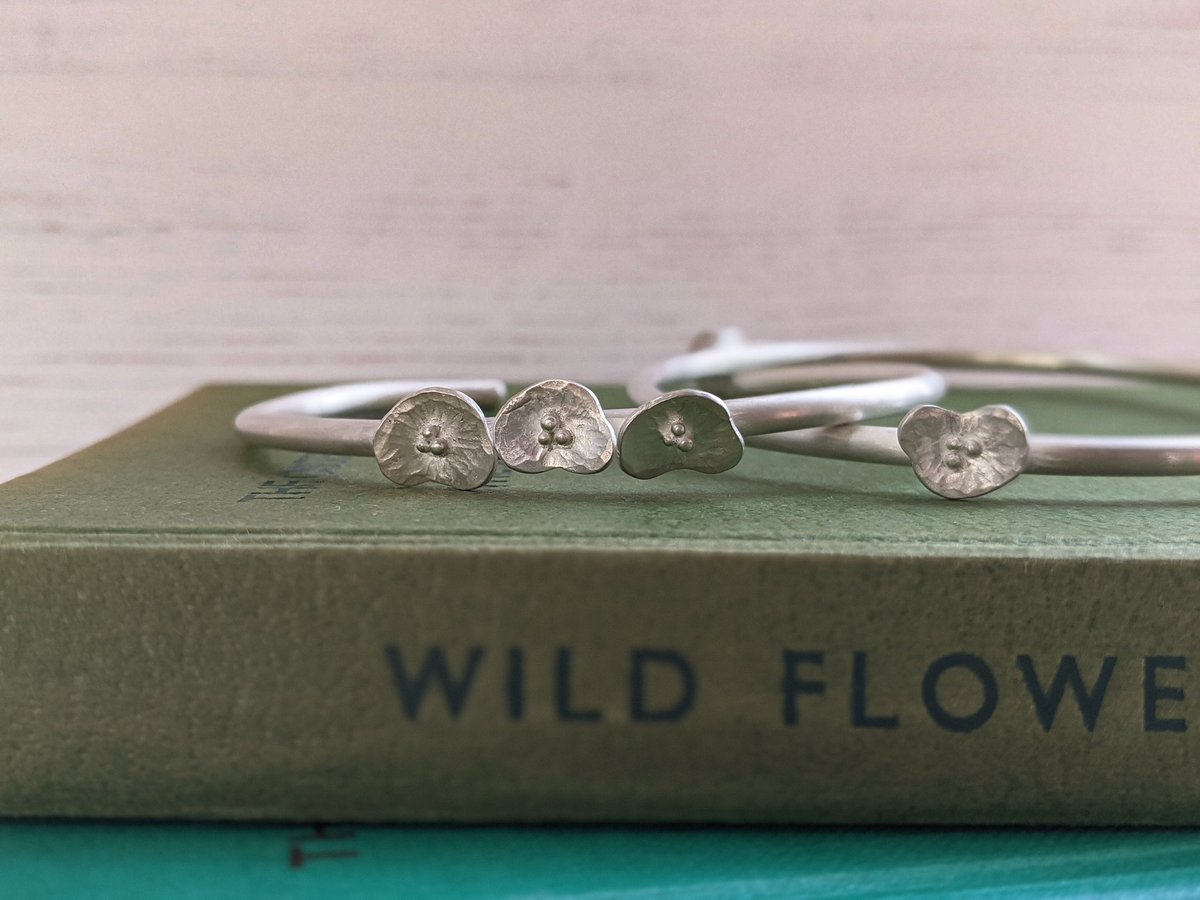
{"type": "Point", "coordinates": [100, 861]}
{"type": "Point", "coordinates": [193, 629]}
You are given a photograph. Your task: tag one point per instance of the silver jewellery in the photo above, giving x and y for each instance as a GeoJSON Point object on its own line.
{"type": "Point", "coordinates": [441, 434]}
{"type": "Point", "coordinates": [695, 429]}
{"type": "Point", "coordinates": [430, 434]}
{"type": "Point", "coordinates": [955, 455]}
{"type": "Point", "coordinates": [555, 425]}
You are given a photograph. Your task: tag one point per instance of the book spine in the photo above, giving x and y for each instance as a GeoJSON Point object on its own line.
{"type": "Point", "coordinates": [478, 684]}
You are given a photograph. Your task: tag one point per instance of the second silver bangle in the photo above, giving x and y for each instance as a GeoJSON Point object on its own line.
{"type": "Point", "coordinates": [957, 455]}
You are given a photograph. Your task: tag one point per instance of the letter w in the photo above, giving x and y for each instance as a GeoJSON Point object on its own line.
{"type": "Point", "coordinates": [412, 691]}
{"type": "Point", "coordinates": [1047, 702]}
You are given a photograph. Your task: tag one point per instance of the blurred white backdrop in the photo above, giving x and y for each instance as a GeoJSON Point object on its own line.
{"type": "Point", "coordinates": [302, 190]}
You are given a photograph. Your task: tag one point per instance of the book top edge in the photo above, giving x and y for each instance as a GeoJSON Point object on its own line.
{"type": "Point", "coordinates": [181, 478]}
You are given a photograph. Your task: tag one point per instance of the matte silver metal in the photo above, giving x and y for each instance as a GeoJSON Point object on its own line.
{"type": "Point", "coordinates": [554, 424]}
{"type": "Point", "coordinates": [307, 420]}
{"type": "Point", "coordinates": [728, 355]}
{"type": "Point", "coordinates": [436, 434]}
{"type": "Point", "coordinates": [724, 353]}
{"type": "Point", "coordinates": [961, 455]}
{"type": "Point", "coordinates": [680, 430]}
{"type": "Point", "coordinates": [440, 434]}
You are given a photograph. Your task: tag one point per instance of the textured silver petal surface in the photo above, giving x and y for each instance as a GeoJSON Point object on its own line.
{"type": "Point", "coordinates": [581, 439]}
{"type": "Point", "coordinates": [961, 455]}
{"type": "Point", "coordinates": [410, 436]}
{"type": "Point", "coordinates": [653, 440]}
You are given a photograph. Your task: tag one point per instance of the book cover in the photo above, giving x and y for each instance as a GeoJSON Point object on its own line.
{"type": "Point", "coordinates": [190, 628]}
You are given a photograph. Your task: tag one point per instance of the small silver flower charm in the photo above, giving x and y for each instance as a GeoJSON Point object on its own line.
{"type": "Point", "coordinates": [680, 430]}
{"type": "Point", "coordinates": [961, 455]}
{"type": "Point", "coordinates": [437, 434]}
{"type": "Point", "coordinates": [554, 425]}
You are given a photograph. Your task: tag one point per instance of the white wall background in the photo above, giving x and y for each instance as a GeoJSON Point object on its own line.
{"type": "Point", "coordinates": [299, 189]}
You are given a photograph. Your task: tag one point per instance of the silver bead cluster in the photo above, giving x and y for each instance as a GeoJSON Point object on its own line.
{"type": "Point", "coordinates": [955, 448]}
{"type": "Point", "coordinates": [432, 442]}
{"type": "Point", "coordinates": [553, 432]}
{"type": "Point", "coordinates": [678, 439]}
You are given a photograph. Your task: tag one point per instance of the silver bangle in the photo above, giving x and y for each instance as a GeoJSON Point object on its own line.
{"type": "Point", "coordinates": [955, 455]}
{"type": "Point", "coordinates": [441, 434]}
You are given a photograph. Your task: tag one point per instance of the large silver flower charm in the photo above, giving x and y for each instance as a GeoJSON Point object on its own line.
{"type": "Point", "coordinates": [437, 434]}
{"type": "Point", "coordinates": [554, 425]}
{"type": "Point", "coordinates": [680, 430]}
{"type": "Point", "coordinates": [961, 455]}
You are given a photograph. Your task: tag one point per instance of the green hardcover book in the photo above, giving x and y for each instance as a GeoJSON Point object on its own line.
{"type": "Point", "coordinates": [189, 628]}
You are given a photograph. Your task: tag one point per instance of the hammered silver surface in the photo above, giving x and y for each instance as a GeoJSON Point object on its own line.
{"type": "Point", "coordinates": [554, 424]}
{"type": "Point", "coordinates": [685, 429]}
{"type": "Point", "coordinates": [962, 455]}
{"type": "Point", "coordinates": [438, 435]}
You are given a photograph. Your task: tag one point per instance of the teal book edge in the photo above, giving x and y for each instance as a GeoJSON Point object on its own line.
{"type": "Point", "coordinates": [193, 629]}
{"type": "Point", "coordinates": [52, 861]}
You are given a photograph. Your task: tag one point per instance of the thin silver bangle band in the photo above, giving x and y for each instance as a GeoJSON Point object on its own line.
{"type": "Point", "coordinates": [304, 420]}
{"type": "Point", "coordinates": [441, 433]}
{"type": "Point", "coordinates": [932, 440]}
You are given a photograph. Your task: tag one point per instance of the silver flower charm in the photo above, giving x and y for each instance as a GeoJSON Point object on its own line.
{"type": "Point", "coordinates": [554, 425]}
{"type": "Point", "coordinates": [680, 430]}
{"type": "Point", "coordinates": [438, 435]}
{"type": "Point", "coordinates": [964, 455]}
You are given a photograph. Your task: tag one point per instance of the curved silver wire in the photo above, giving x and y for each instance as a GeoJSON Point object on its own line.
{"type": "Point", "coordinates": [307, 420]}
{"type": "Point", "coordinates": [1048, 454]}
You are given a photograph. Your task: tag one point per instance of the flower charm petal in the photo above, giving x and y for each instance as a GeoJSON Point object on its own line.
{"type": "Point", "coordinates": [554, 425]}
{"type": "Point", "coordinates": [964, 455]}
{"type": "Point", "coordinates": [680, 430]}
{"type": "Point", "coordinates": [437, 434]}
